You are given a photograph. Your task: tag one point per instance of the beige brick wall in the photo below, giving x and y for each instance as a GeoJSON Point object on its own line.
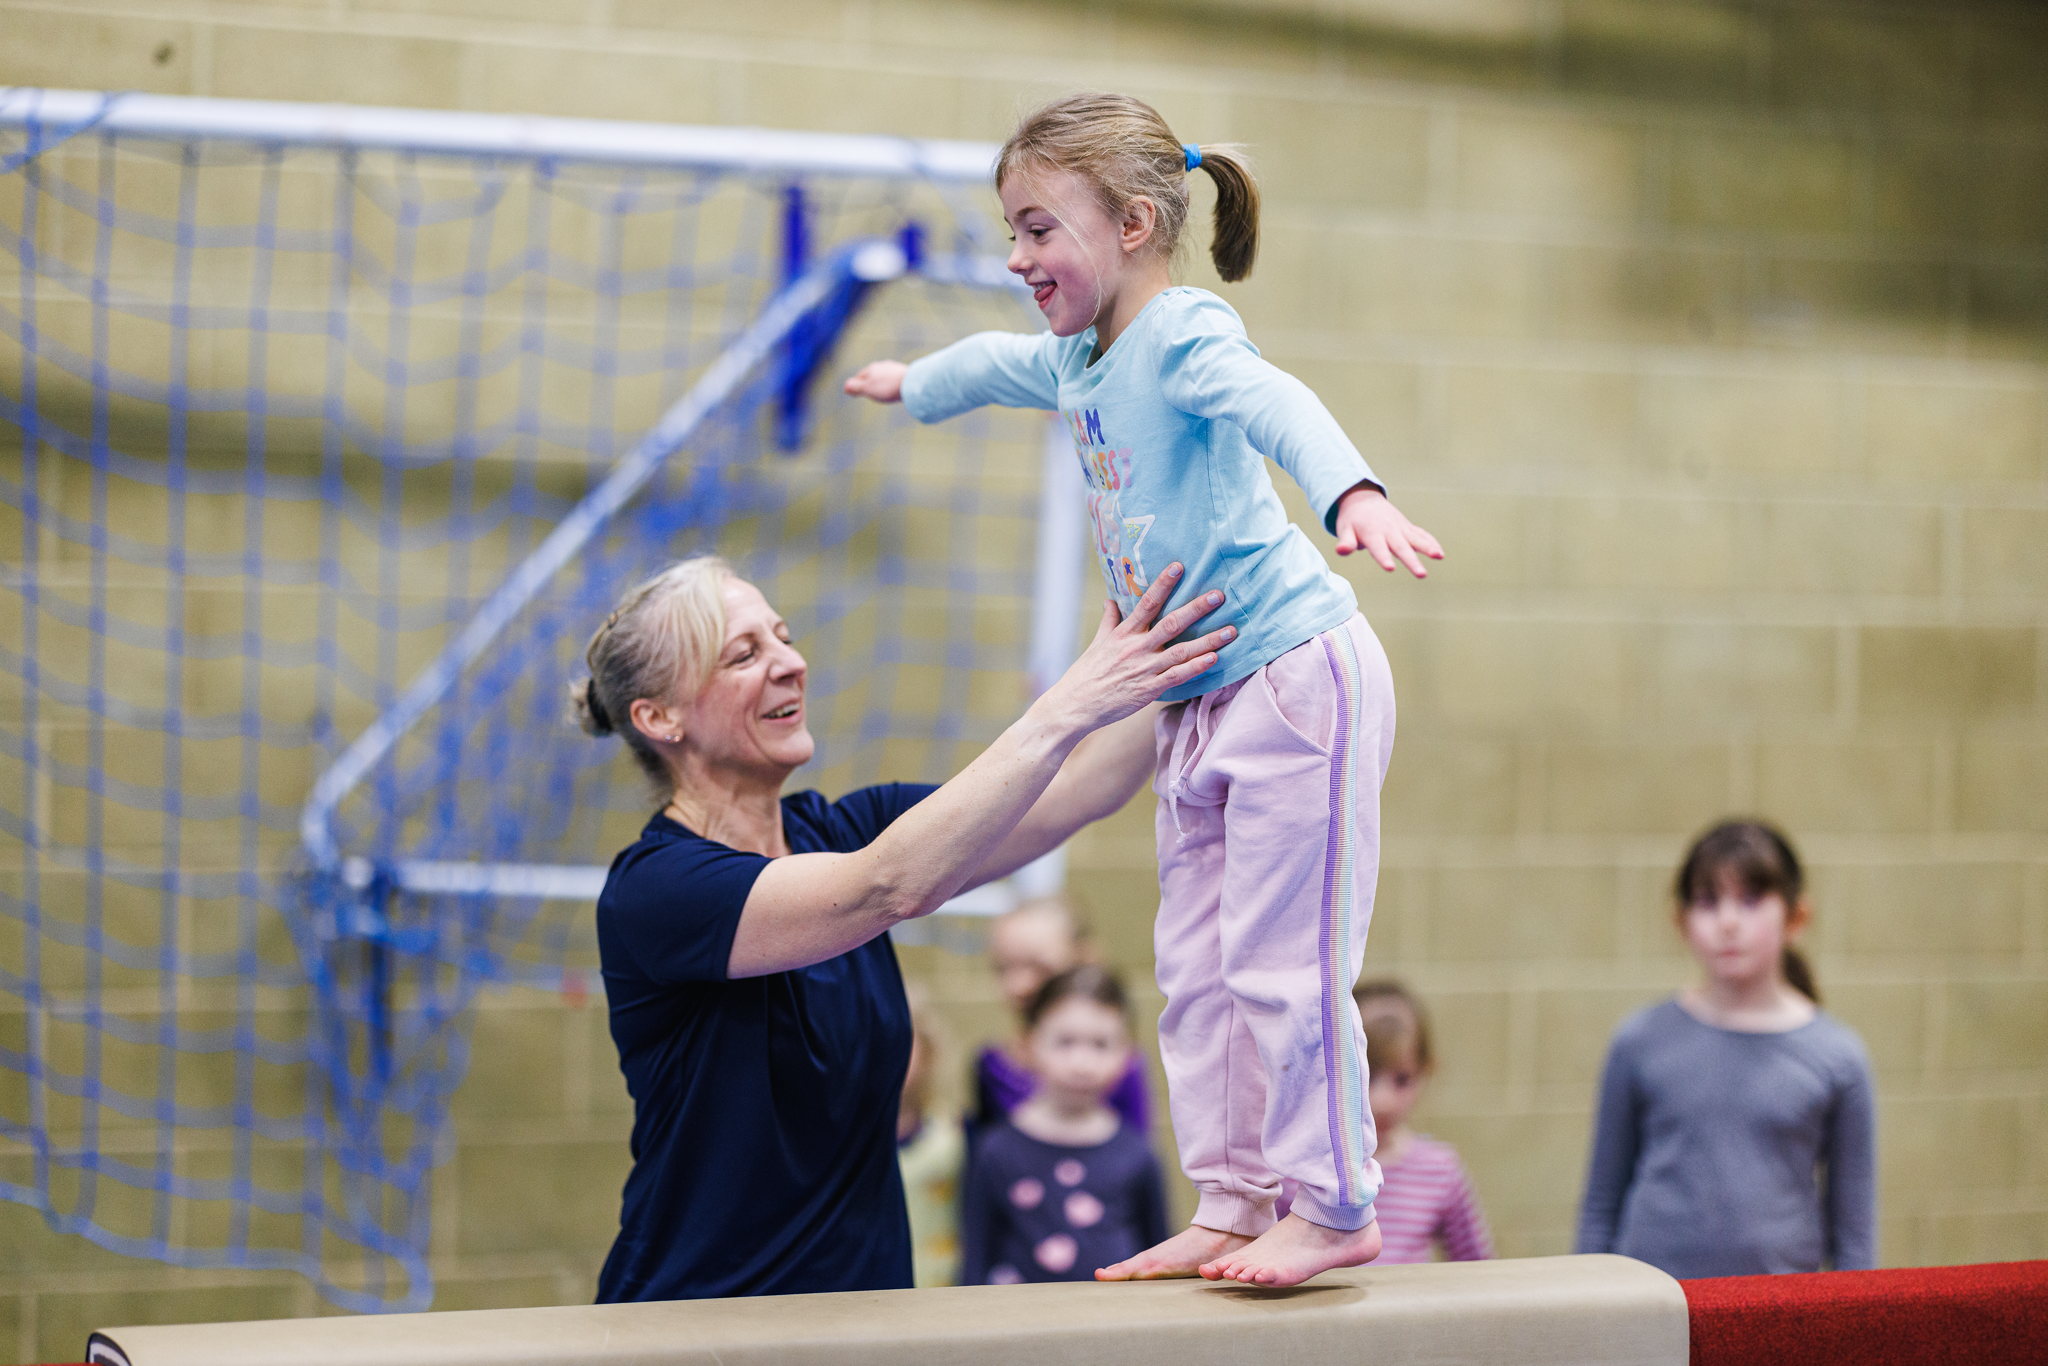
{"type": "Point", "coordinates": [1709, 337]}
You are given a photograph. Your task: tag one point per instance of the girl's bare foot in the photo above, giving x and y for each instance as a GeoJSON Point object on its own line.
{"type": "Point", "coordinates": [1292, 1251]}
{"type": "Point", "coordinates": [1181, 1254]}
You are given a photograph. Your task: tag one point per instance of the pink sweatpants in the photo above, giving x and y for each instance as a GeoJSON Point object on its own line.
{"type": "Point", "coordinates": [1269, 843]}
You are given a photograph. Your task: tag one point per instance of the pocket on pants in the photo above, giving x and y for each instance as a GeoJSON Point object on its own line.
{"type": "Point", "coordinates": [1304, 694]}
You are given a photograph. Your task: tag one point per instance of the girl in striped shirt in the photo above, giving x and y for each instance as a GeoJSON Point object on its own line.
{"type": "Point", "coordinates": [1426, 1200]}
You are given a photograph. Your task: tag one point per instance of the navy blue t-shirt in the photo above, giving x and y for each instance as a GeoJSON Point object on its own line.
{"type": "Point", "coordinates": [764, 1109]}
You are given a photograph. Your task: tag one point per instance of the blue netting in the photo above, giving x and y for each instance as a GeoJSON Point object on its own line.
{"type": "Point", "coordinates": [273, 422]}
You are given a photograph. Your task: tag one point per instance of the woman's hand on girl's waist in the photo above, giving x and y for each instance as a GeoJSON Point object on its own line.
{"type": "Point", "coordinates": [1133, 660]}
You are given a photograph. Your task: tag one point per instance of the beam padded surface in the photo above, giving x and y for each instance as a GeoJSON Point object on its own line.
{"type": "Point", "coordinates": [1552, 1311]}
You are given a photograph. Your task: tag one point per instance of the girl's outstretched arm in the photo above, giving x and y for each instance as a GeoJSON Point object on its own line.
{"type": "Point", "coordinates": [1007, 369]}
{"type": "Point", "coordinates": [1211, 369]}
{"type": "Point", "coordinates": [1367, 521]}
{"type": "Point", "coordinates": [880, 380]}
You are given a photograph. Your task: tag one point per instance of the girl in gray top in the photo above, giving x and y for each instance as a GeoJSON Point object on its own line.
{"type": "Point", "coordinates": [1736, 1133]}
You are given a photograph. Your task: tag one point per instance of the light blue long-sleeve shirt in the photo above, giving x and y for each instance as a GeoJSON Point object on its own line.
{"type": "Point", "coordinates": [1171, 424]}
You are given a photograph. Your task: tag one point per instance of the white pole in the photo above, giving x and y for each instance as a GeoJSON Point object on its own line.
{"type": "Point", "coordinates": [291, 124]}
{"type": "Point", "coordinates": [1056, 586]}
{"type": "Point", "coordinates": [1055, 606]}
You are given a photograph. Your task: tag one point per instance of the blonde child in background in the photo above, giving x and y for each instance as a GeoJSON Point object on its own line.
{"type": "Point", "coordinates": [1027, 948]}
{"type": "Point", "coordinates": [1268, 763]}
{"type": "Point", "coordinates": [1064, 1185]}
{"type": "Point", "coordinates": [931, 1151]}
{"type": "Point", "coordinates": [1426, 1199]}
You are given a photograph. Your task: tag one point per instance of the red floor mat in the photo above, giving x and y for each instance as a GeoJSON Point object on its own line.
{"type": "Point", "coordinates": [1996, 1314]}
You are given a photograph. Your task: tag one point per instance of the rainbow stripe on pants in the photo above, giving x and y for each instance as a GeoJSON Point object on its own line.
{"type": "Point", "coordinates": [1346, 1070]}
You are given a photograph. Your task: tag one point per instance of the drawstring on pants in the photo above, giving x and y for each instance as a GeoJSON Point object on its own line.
{"type": "Point", "coordinates": [1186, 738]}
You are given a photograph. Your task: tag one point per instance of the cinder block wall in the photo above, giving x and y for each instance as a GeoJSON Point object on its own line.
{"type": "Point", "coordinates": [1709, 337]}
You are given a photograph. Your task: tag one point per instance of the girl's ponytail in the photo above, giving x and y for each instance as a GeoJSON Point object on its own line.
{"type": "Point", "coordinates": [1799, 975]}
{"type": "Point", "coordinates": [1235, 244]}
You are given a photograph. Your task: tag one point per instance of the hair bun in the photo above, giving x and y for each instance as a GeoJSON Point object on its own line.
{"type": "Point", "coordinates": [589, 711]}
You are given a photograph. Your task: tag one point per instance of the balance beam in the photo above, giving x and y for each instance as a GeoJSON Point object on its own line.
{"type": "Point", "coordinates": [1547, 1311]}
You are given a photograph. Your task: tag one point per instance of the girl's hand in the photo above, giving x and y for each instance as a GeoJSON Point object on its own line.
{"type": "Point", "coordinates": [880, 380]}
{"type": "Point", "coordinates": [1132, 661]}
{"type": "Point", "coordinates": [1367, 521]}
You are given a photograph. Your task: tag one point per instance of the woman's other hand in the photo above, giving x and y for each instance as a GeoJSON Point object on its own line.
{"type": "Point", "coordinates": [880, 380]}
{"type": "Point", "coordinates": [1132, 661]}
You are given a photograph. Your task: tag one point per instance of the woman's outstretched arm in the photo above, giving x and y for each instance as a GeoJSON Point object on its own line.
{"type": "Point", "coordinates": [1104, 771]}
{"type": "Point", "coordinates": [806, 908]}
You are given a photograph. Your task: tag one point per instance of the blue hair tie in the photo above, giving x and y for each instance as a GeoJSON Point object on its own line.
{"type": "Point", "coordinates": [1194, 154]}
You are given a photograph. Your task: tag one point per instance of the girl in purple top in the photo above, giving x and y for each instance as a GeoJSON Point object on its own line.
{"type": "Point", "coordinates": [1027, 948]}
{"type": "Point", "coordinates": [1063, 1186]}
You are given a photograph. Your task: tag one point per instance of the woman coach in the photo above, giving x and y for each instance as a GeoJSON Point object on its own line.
{"type": "Point", "coordinates": [755, 998]}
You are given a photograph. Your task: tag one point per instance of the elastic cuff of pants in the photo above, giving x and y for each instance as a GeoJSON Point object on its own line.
{"type": "Point", "coordinates": [1331, 1216]}
{"type": "Point", "coordinates": [1227, 1213]}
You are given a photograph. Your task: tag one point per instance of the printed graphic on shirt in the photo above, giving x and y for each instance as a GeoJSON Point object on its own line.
{"type": "Point", "coordinates": [1119, 540]}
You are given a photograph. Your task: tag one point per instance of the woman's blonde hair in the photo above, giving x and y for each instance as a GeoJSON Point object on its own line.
{"type": "Point", "coordinates": [1126, 152]}
{"type": "Point", "coordinates": [660, 641]}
